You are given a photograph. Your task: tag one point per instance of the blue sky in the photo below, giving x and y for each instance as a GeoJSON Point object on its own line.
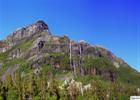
{"type": "Point", "coordinates": [114, 24]}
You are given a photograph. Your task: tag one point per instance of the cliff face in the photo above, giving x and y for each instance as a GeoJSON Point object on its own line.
{"type": "Point", "coordinates": [35, 44]}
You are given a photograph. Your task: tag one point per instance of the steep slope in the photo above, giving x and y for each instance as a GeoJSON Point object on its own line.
{"type": "Point", "coordinates": [32, 48]}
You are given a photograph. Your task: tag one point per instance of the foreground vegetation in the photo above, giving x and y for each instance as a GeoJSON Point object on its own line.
{"type": "Point", "coordinates": [25, 84]}
{"type": "Point", "coordinates": [45, 86]}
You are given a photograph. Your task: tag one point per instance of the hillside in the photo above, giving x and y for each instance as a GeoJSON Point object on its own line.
{"type": "Point", "coordinates": [34, 63]}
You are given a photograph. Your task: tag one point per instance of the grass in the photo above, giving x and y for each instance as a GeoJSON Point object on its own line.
{"type": "Point", "coordinates": [10, 63]}
{"type": "Point", "coordinates": [126, 75]}
{"type": "Point", "coordinates": [3, 56]}
{"type": "Point", "coordinates": [25, 44]}
{"type": "Point", "coordinates": [101, 63]}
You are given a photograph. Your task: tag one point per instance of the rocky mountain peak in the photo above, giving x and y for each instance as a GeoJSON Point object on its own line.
{"type": "Point", "coordinates": [27, 32]}
{"type": "Point", "coordinates": [40, 25]}
{"type": "Point", "coordinates": [41, 22]}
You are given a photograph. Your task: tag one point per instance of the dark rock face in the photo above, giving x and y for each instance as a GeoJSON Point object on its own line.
{"type": "Point", "coordinates": [90, 51]}
{"type": "Point", "coordinates": [41, 25]}
{"type": "Point", "coordinates": [107, 74]}
{"type": "Point", "coordinates": [41, 44]}
{"type": "Point", "coordinates": [104, 52]}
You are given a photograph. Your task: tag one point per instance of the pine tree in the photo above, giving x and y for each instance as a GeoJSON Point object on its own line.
{"type": "Point", "coordinates": [81, 59]}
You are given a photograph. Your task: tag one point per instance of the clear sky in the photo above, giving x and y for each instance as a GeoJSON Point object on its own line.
{"type": "Point", "coordinates": [114, 24]}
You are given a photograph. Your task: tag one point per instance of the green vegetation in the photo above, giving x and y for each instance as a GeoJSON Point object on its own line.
{"type": "Point", "coordinates": [25, 44]}
{"type": "Point", "coordinates": [12, 62]}
{"type": "Point", "coordinates": [47, 88]}
{"type": "Point", "coordinates": [99, 62]}
{"type": "Point", "coordinates": [126, 75]}
{"type": "Point", "coordinates": [25, 84]}
{"type": "Point", "coordinates": [3, 56]}
{"type": "Point", "coordinates": [58, 60]}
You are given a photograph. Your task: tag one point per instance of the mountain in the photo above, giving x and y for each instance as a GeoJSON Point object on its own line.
{"type": "Point", "coordinates": [33, 49]}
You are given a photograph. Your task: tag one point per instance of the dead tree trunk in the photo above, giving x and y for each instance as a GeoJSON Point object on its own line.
{"type": "Point", "coordinates": [72, 62]}
{"type": "Point", "coordinates": [74, 67]}
{"type": "Point", "coordinates": [70, 55]}
{"type": "Point", "coordinates": [81, 60]}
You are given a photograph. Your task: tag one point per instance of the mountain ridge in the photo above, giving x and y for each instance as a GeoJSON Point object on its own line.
{"type": "Point", "coordinates": [35, 40]}
{"type": "Point", "coordinates": [37, 65]}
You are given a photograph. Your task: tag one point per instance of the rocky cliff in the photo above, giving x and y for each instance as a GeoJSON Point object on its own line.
{"type": "Point", "coordinates": [33, 46]}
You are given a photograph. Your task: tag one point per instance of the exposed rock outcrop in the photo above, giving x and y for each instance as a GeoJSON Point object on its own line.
{"type": "Point", "coordinates": [21, 33]}
{"type": "Point", "coordinates": [15, 54]}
